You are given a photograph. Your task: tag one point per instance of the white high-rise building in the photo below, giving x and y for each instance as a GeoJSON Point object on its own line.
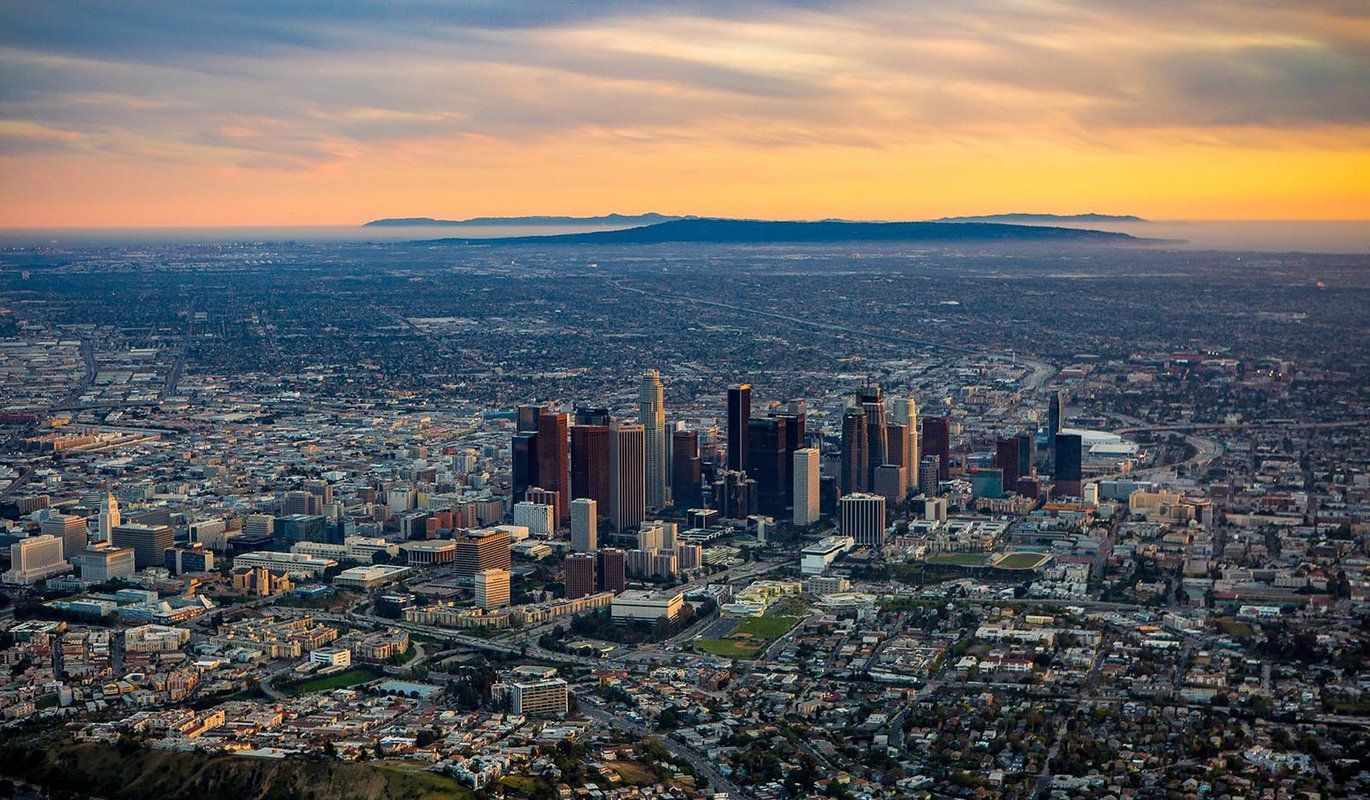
{"type": "Point", "coordinates": [584, 525]}
{"type": "Point", "coordinates": [35, 558]}
{"type": "Point", "coordinates": [863, 518]}
{"type": "Point", "coordinates": [806, 483]}
{"type": "Point", "coordinates": [539, 518]}
{"type": "Point", "coordinates": [492, 588]}
{"type": "Point", "coordinates": [109, 517]}
{"type": "Point", "coordinates": [905, 411]}
{"type": "Point", "coordinates": [652, 415]}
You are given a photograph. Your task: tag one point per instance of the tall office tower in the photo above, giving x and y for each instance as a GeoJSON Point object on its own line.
{"type": "Point", "coordinates": [1006, 459]}
{"type": "Point", "coordinates": [584, 525]}
{"type": "Point", "coordinates": [528, 418]}
{"type": "Point", "coordinates": [937, 442]}
{"type": "Point", "coordinates": [109, 517]}
{"type": "Point", "coordinates": [891, 483]}
{"type": "Point", "coordinates": [613, 570]}
{"type": "Point", "coordinates": [734, 494]}
{"type": "Point", "coordinates": [651, 412]}
{"type": "Point", "coordinates": [590, 462]}
{"type": "Point", "coordinates": [149, 542]}
{"type": "Point", "coordinates": [35, 558]}
{"type": "Point", "coordinates": [1027, 455]}
{"type": "Point", "coordinates": [554, 463]}
{"type": "Point", "coordinates": [904, 411]}
{"type": "Point", "coordinates": [627, 476]}
{"type": "Point", "coordinates": [492, 588]}
{"type": "Point", "coordinates": [806, 480]}
{"type": "Point", "coordinates": [872, 402]}
{"type": "Point", "coordinates": [766, 463]}
{"type": "Point", "coordinates": [523, 453]}
{"type": "Point", "coordinates": [896, 438]}
{"type": "Point", "coordinates": [579, 571]}
{"type": "Point", "coordinates": [863, 518]}
{"type": "Point", "coordinates": [796, 436]}
{"type": "Point", "coordinates": [592, 416]}
{"type": "Point", "coordinates": [929, 472]}
{"type": "Point", "coordinates": [685, 473]}
{"type": "Point", "coordinates": [854, 472]}
{"type": "Point", "coordinates": [1056, 412]}
{"type": "Point", "coordinates": [478, 550]}
{"type": "Point", "coordinates": [71, 529]}
{"type": "Point", "coordinates": [739, 411]}
{"type": "Point", "coordinates": [1068, 463]}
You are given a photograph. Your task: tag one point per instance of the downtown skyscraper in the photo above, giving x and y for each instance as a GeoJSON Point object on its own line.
{"type": "Point", "coordinates": [872, 403]}
{"type": "Point", "coordinates": [627, 487]}
{"type": "Point", "coordinates": [904, 411]}
{"type": "Point", "coordinates": [739, 411]}
{"type": "Point", "coordinates": [652, 415]}
{"type": "Point", "coordinates": [553, 460]}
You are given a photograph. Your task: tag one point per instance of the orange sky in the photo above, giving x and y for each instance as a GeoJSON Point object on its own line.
{"type": "Point", "coordinates": [194, 116]}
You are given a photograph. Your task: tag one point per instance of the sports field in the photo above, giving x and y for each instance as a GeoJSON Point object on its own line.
{"type": "Point", "coordinates": [1021, 560]}
{"type": "Point", "coordinates": [749, 637]}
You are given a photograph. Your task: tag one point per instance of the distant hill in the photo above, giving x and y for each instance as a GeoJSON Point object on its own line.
{"type": "Point", "coordinates": [1026, 218]}
{"type": "Point", "coordinates": [736, 231]}
{"type": "Point", "coordinates": [608, 219]}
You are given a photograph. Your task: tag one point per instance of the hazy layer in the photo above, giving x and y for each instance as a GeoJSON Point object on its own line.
{"type": "Point", "coordinates": [1317, 236]}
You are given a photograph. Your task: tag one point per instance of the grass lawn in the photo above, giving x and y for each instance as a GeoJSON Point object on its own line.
{"type": "Point", "coordinates": [764, 627]}
{"type": "Point", "coordinates": [959, 559]}
{"type": "Point", "coordinates": [350, 677]}
{"type": "Point", "coordinates": [1020, 561]}
{"type": "Point", "coordinates": [1234, 628]}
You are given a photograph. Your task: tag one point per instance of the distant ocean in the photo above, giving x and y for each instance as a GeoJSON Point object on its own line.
{"type": "Point", "coordinates": [1308, 236]}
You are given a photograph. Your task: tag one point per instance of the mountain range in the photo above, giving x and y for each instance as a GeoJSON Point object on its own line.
{"type": "Point", "coordinates": [737, 231]}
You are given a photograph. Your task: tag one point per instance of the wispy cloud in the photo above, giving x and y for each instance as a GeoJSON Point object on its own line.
{"type": "Point", "coordinates": [289, 85]}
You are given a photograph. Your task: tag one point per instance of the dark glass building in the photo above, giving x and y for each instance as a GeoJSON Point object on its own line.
{"type": "Point", "coordinates": [855, 473]}
{"type": "Point", "coordinates": [685, 469]}
{"type": "Point", "coordinates": [766, 457]}
{"type": "Point", "coordinates": [1006, 459]}
{"type": "Point", "coordinates": [590, 463]}
{"type": "Point", "coordinates": [937, 442]}
{"type": "Point", "coordinates": [1069, 458]}
{"type": "Point", "coordinates": [524, 453]}
{"type": "Point", "coordinates": [872, 403]}
{"type": "Point", "coordinates": [739, 411]}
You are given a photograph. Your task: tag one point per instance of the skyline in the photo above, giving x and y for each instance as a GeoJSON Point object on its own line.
{"type": "Point", "coordinates": [153, 114]}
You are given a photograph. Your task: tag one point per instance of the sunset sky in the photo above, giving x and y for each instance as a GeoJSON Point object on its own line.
{"type": "Point", "coordinates": [273, 112]}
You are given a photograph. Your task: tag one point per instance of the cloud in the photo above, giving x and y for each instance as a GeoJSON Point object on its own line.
{"type": "Point", "coordinates": [309, 84]}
